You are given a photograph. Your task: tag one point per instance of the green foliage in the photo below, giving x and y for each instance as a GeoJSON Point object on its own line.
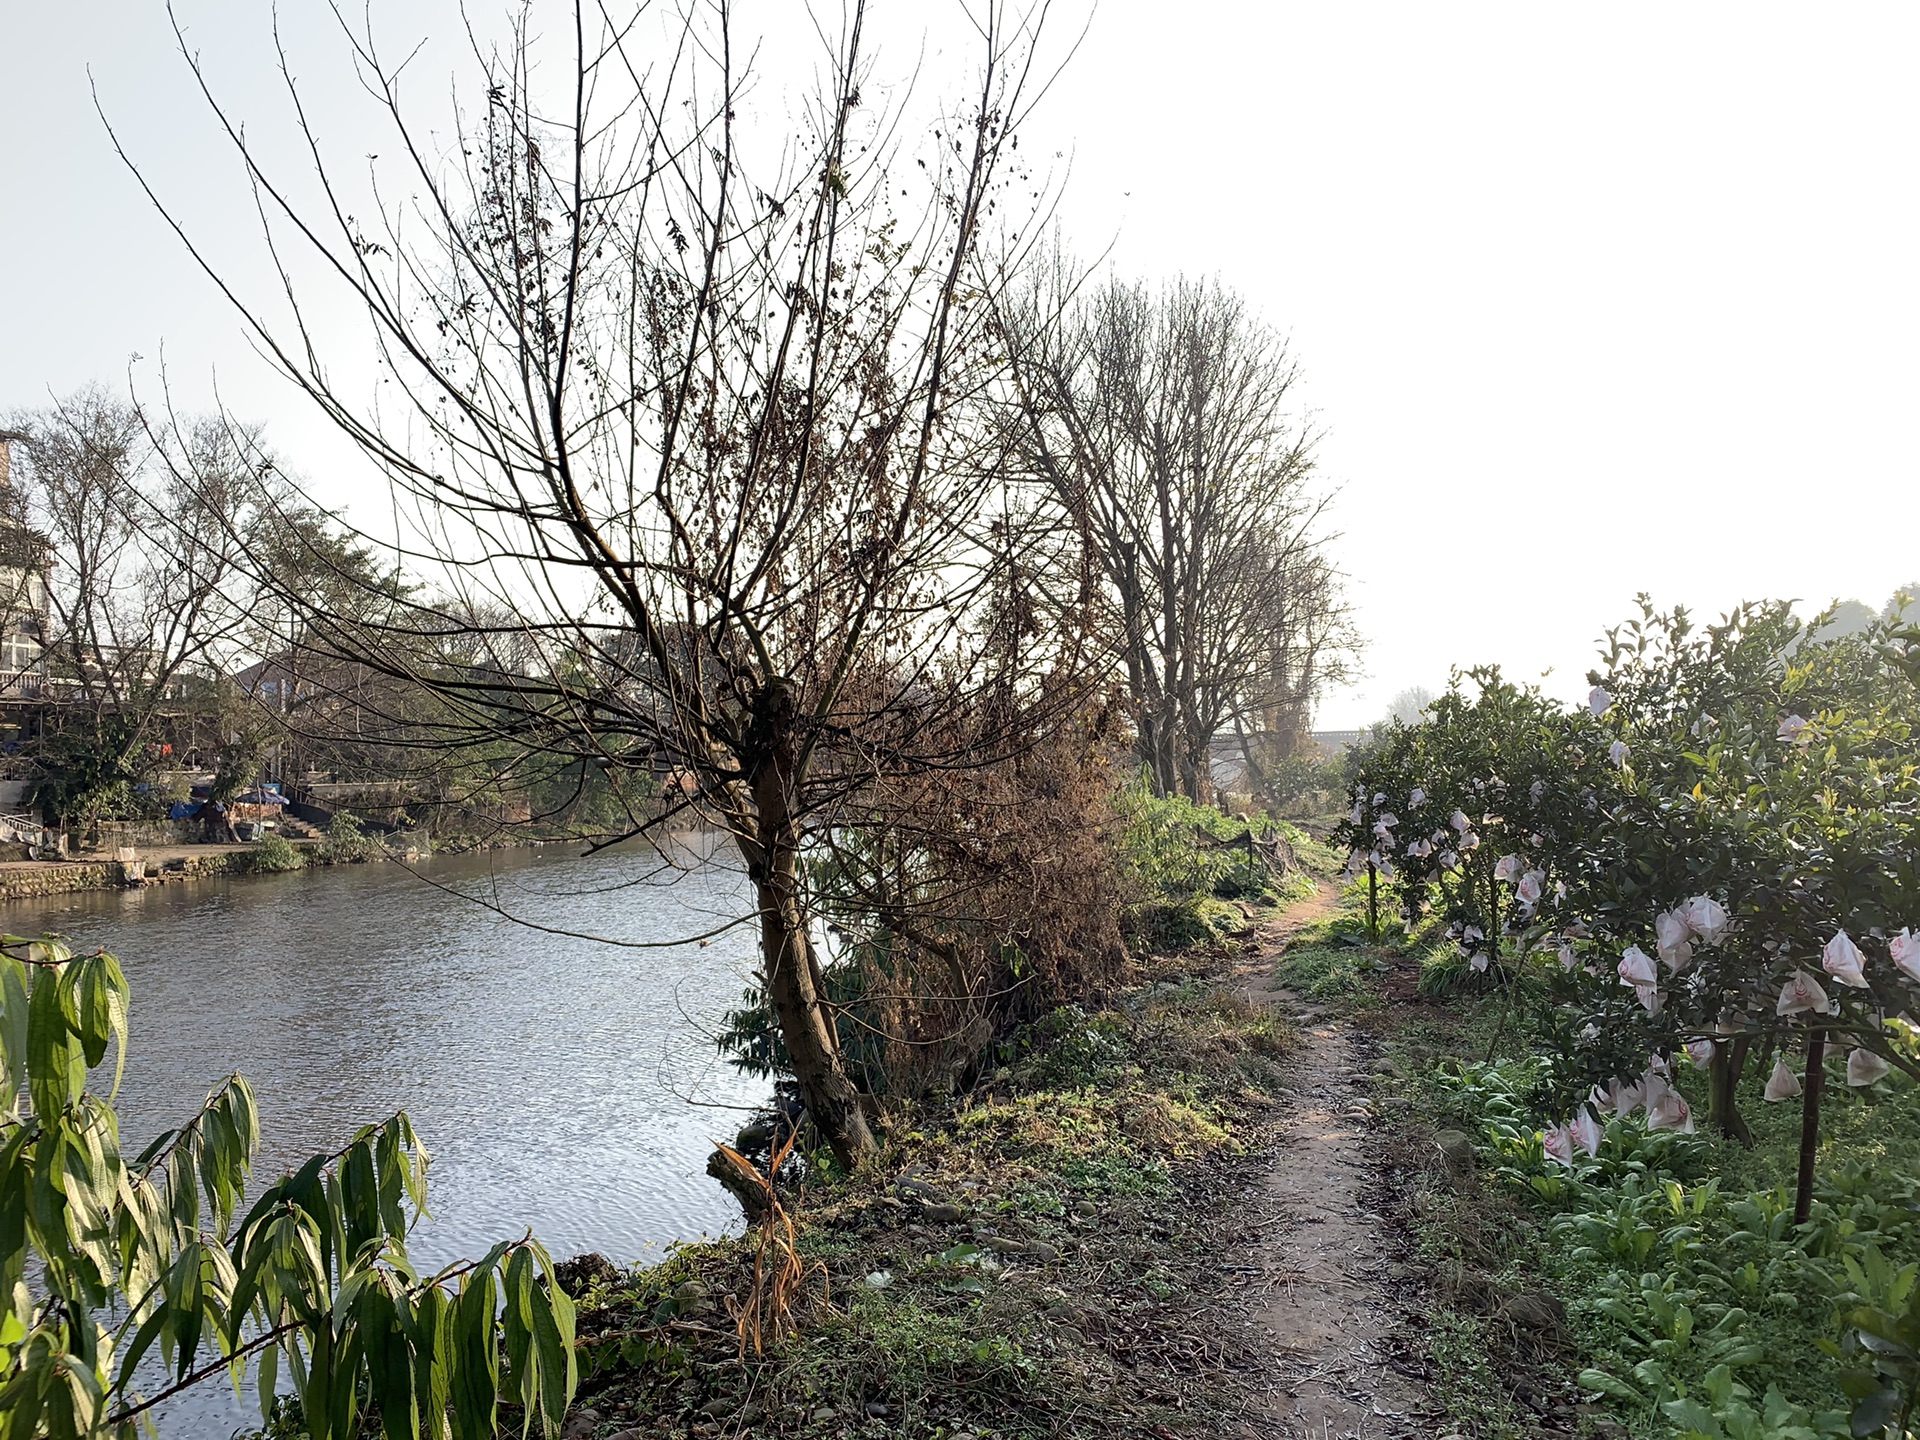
{"type": "Point", "coordinates": [1304, 783]}
{"type": "Point", "coordinates": [1181, 860]}
{"type": "Point", "coordinates": [1175, 849]}
{"type": "Point", "coordinates": [239, 769]}
{"type": "Point", "coordinates": [89, 765]}
{"type": "Point", "coordinates": [111, 1266]}
{"type": "Point", "coordinates": [1451, 815]}
{"type": "Point", "coordinates": [274, 854]}
{"type": "Point", "coordinates": [1724, 1410]}
{"type": "Point", "coordinates": [1072, 1049]}
{"type": "Point", "coordinates": [1764, 770]}
{"type": "Point", "coordinates": [1687, 1295]}
{"type": "Point", "coordinates": [1880, 1344]}
{"type": "Point", "coordinates": [1324, 971]}
{"type": "Point", "coordinates": [348, 841]}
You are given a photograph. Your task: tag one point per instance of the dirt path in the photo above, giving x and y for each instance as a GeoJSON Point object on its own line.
{"type": "Point", "coordinates": [1324, 1291]}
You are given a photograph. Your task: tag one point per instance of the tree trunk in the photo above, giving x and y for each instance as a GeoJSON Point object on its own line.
{"type": "Point", "coordinates": [1810, 1122]}
{"type": "Point", "coordinates": [769, 844]}
{"type": "Point", "coordinates": [833, 1104]}
{"type": "Point", "coordinates": [1724, 1083]}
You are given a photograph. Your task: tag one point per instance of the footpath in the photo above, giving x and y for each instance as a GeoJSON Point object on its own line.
{"type": "Point", "coordinates": [1327, 1280]}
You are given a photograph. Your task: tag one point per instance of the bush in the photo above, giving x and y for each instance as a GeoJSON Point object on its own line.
{"type": "Point", "coordinates": [1180, 862]}
{"type": "Point", "coordinates": [1173, 850]}
{"type": "Point", "coordinates": [273, 855]}
{"type": "Point", "coordinates": [1074, 1049]}
{"type": "Point", "coordinates": [1701, 881]}
{"type": "Point", "coordinates": [170, 1256]}
{"type": "Point", "coordinates": [1305, 784]}
{"type": "Point", "coordinates": [348, 841]}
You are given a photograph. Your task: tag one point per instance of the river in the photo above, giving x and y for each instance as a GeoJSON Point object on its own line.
{"type": "Point", "coordinates": [562, 1084]}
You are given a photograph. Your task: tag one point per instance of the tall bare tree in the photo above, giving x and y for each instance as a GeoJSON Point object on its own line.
{"type": "Point", "coordinates": [695, 422]}
{"type": "Point", "coordinates": [144, 529]}
{"type": "Point", "coordinates": [1164, 427]}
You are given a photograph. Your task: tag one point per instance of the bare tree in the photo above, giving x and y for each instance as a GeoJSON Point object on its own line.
{"type": "Point", "coordinates": [696, 429]}
{"type": "Point", "coordinates": [1162, 425]}
{"type": "Point", "coordinates": [1408, 705]}
{"type": "Point", "coordinates": [144, 532]}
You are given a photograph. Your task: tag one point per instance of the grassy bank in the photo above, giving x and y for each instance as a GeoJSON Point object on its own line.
{"type": "Point", "coordinates": [1049, 1254]}
{"type": "Point", "coordinates": [1041, 1259]}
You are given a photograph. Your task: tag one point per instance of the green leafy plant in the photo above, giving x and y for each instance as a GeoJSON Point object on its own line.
{"type": "Point", "coordinates": [348, 840]}
{"type": "Point", "coordinates": [274, 854]}
{"type": "Point", "coordinates": [126, 1282]}
{"type": "Point", "coordinates": [1724, 1411]}
{"type": "Point", "coordinates": [1881, 1342]}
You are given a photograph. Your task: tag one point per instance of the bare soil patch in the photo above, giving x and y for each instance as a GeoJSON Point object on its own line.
{"type": "Point", "coordinates": [1330, 1291]}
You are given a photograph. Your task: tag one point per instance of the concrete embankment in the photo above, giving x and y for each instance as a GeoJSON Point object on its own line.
{"type": "Point", "coordinates": [29, 879]}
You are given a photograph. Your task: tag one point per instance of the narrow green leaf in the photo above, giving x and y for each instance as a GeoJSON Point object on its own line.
{"type": "Point", "coordinates": [268, 1380]}
{"type": "Point", "coordinates": [516, 1323]}
{"type": "Point", "coordinates": [13, 1027]}
{"type": "Point", "coordinates": [553, 1330]}
{"type": "Point", "coordinates": [476, 1375]}
{"type": "Point", "coordinates": [56, 1069]}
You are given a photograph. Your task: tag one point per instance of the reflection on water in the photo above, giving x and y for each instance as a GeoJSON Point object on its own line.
{"type": "Point", "coordinates": [562, 1084]}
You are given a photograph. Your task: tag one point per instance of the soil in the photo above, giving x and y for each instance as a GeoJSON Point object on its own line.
{"type": "Point", "coordinates": [1328, 1296]}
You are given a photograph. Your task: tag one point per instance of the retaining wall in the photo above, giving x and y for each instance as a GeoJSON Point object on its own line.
{"type": "Point", "coordinates": [26, 881]}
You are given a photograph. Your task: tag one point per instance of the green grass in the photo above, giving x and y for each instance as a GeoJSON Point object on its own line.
{"type": "Point", "coordinates": [1324, 971]}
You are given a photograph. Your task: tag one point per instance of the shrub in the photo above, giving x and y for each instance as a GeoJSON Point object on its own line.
{"type": "Point", "coordinates": [1173, 850]}
{"type": "Point", "coordinates": [349, 841]}
{"type": "Point", "coordinates": [273, 854]}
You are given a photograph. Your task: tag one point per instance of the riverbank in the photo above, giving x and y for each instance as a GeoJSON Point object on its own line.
{"type": "Point", "coordinates": [35, 879]}
{"type": "Point", "coordinates": [164, 864]}
{"type": "Point", "coordinates": [1123, 1230]}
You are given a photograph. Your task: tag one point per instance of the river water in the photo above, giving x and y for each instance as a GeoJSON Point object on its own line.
{"type": "Point", "coordinates": [562, 1084]}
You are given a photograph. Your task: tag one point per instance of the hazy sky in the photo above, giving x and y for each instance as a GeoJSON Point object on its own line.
{"type": "Point", "coordinates": [1589, 300]}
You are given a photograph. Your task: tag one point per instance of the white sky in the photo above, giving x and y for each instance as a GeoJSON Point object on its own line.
{"type": "Point", "coordinates": [1589, 300]}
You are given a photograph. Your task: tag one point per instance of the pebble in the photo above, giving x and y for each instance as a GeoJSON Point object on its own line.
{"type": "Point", "coordinates": [1042, 1251]}
{"type": "Point", "coordinates": [1001, 1245]}
{"type": "Point", "coordinates": [943, 1213]}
